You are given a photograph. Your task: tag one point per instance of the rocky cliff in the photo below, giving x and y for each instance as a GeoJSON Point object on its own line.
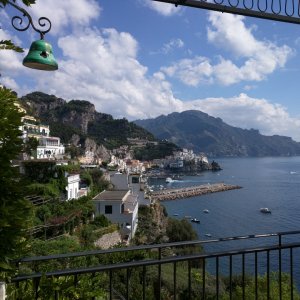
{"type": "Point", "coordinates": [78, 122]}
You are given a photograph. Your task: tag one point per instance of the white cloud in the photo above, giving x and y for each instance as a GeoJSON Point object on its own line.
{"type": "Point", "coordinates": [260, 58]}
{"type": "Point", "coordinates": [164, 9]}
{"type": "Point", "coordinates": [191, 71]}
{"type": "Point", "coordinates": [171, 45]}
{"type": "Point", "coordinates": [67, 12]}
{"type": "Point", "coordinates": [8, 82]}
{"type": "Point", "coordinates": [10, 61]}
{"type": "Point", "coordinates": [110, 76]}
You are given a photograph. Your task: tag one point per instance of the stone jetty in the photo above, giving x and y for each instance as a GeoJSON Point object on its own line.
{"type": "Point", "coordinates": [172, 194]}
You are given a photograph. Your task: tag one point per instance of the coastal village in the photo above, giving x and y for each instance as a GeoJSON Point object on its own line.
{"type": "Point", "coordinates": [126, 177]}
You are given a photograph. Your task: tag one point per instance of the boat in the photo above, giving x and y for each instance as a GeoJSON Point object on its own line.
{"type": "Point", "coordinates": [169, 180]}
{"type": "Point", "coordinates": [265, 210]}
{"type": "Point", "coordinates": [208, 234]}
{"type": "Point", "coordinates": [175, 215]}
{"type": "Point", "coordinates": [206, 211]}
{"type": "Point", "coordinates": [195, 220]}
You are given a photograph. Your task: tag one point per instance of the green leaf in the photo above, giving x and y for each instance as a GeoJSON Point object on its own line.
{"type": "Point", "coordinates": [9, 45]}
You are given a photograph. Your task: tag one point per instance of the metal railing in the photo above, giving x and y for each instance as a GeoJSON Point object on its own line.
{"type": "Point", "coordinates": [280, 10]}
{"type": "Point", "coordinates": [249, 273]}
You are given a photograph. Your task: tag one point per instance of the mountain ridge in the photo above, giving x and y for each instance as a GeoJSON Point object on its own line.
{"type": "Point", "coordinates": [203, 133]}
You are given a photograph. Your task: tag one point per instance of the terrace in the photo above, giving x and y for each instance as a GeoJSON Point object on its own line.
{"type": "Point", "coordinates": [264, 269]}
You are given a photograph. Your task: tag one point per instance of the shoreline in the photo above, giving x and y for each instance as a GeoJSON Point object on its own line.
{"type": "Point", "coordinates": [173, 194]}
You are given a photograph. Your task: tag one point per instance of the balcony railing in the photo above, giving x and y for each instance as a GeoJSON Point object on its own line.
{"type": "Point", "coordinates": [268, 268]}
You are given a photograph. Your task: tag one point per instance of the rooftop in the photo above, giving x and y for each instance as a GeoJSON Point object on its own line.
{"type": "Point", "coordinates": [111, 195]}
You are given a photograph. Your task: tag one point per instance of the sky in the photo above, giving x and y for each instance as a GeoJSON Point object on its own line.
{"type": "Point", "coordinates": [141, 58]}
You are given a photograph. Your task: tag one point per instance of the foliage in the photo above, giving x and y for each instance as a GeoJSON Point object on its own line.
{"type": "Point", "coordinates": [180, 230]}
{"type": "Point", "coordinates": [86, 287]}
{"type": "Point", "coordinates": [39, 171]}
{"type": "Point", "coordinates": [46, 189]}
{"type": "Point", "coordinates": [30, 146]}
{"type": "Point", "coordinates": [25, 2]}
{"type": "Point", "coordinates": [9, 45]}
{"type": "Point", "coordinates": [151, 151]}
{"type": "Point", "coordinates": [101, 221]}
{"type": "Point", "coordinates": [114, 133]}
{"type": "Point", "coordinates": [148, 231]}
{"type": "Point", "coordinates": [15, 212]}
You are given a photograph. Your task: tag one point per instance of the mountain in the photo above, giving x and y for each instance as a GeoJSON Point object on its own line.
{"type": "Point", "coordinates": [203, 133]}
{"type": "Point", "coordinates": [78, 120]}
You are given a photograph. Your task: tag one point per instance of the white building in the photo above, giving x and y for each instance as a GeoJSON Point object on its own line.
{"type": "Point", "coordinates": [31, 128]}
{"type": "Point", "coordinates": [50, 147]}
{"type": "Point", "coordinates": [73, 186]}
{"type": "Point", "coordinates": [121, 207]}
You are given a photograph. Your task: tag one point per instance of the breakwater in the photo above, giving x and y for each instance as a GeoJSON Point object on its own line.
{"type": "Point", "coordinates": [172, 194]}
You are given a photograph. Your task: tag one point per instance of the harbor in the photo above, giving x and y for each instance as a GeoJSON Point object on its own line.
{"type": "Point", "coordinates": [186, 192]}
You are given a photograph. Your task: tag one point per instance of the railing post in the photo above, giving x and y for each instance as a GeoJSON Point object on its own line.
{"type": "Point", "coordinates": [159, 275]}
{"type": "Point", "coordinates": [279, 261]}
{"type": "Point", "coordinates": [2, 290]}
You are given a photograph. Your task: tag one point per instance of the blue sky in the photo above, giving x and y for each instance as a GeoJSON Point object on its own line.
{"type": "Point", "coordinates": [140, 59]}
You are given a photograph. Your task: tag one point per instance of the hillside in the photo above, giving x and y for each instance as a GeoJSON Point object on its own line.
{"type": "Point", "coordinates": [79, 118]}
{"type": "Point", "coordinates": [203, 133]}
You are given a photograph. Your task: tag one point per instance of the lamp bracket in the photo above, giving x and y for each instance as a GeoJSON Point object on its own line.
{"type": "Point", "coordinates": [17, 21]}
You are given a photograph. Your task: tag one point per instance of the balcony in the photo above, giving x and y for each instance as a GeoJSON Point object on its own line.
{"type": "Point", "coordinates": [269, 269]}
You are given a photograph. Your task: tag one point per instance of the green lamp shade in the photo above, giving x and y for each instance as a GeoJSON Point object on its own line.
{"type": "Point", "coordinates": [40, 57]}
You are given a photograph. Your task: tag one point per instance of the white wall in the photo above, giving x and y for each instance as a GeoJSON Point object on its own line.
{"type": "Point", "coordinates": [73, 186]}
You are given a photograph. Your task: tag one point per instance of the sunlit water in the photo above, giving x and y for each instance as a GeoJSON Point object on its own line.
{"type": "Point", "coordinates": [266, 182]}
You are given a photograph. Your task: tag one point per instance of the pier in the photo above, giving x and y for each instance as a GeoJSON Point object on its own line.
{"type": "Point", "coordinates": [172, 194]}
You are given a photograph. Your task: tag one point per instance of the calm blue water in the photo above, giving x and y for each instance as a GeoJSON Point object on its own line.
{"type": "Point", "coordinates": [266, 182]}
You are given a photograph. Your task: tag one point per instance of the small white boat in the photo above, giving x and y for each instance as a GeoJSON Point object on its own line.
{"type": "Point", "coordinates": [207, 234]}
{"type": "Point", "coordinates": [265, 210]}
{"type": "Point", "coordinates": [206, 211]}
{"type": "Point", "coordinates": [169, 180]}
{"type": "Point", "coordinates": [175, 215]}
{"type": "Point", "coordinates": [195, 220]}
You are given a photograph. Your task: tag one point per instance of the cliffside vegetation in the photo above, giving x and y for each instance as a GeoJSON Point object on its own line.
{"type": "Point", "coordinates": [151, 151]}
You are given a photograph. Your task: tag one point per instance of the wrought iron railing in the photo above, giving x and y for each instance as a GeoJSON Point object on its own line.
{"type": "Point", "coordinates": [277, 10]}
{"type": "Point", "coordinates": [264, 263]}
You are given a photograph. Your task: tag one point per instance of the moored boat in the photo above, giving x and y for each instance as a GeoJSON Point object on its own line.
{"type": "Point", "coordinates": [195, 220]}
{"type": "Point", "coordinates": [265, 210]}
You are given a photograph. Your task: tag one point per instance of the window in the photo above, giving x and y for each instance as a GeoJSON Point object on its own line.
{"type": "Point", "coordinates": [122, 208]}
{"type": "Point", "coordinates": [108, 209]}
{"type": "Point", "coordinates": [135, 180]}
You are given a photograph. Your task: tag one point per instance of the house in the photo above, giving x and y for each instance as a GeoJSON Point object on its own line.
{"type": "Point", "coordinates": [73, 186]}
{"type": "Point", "coordinates": [50, 147]}
{"type": "Point", "coordinates": [134, 182]}
{"type": "Point", "coordinates": [121, 207]}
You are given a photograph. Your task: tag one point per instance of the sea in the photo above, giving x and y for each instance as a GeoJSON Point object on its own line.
{"type": "Point", "coordinates": [272, 182]}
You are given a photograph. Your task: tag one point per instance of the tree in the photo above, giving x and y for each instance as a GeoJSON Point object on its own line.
{"type": "Point", "coordinates": [15, 211]}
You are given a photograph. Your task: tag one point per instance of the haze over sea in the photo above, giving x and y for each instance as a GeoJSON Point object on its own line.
{"type": "Point", "coordinates": [272, 182]}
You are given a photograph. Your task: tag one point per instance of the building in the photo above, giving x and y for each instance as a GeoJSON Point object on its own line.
{"type": "Point", "coordinates": [121, 207]}
{"type": "Point", "coordinates": [50, 147]}
{"type": "Point", "coordinates": [73, 186]}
